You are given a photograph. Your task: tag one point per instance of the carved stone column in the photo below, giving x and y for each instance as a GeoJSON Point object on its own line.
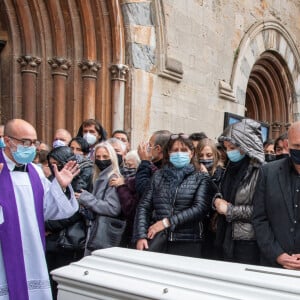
{"type": "Point", "coordinates": [118, 77]}
{"type": "Point", "coordinates": [89, 77]}
{"type": "Point", "coordinates": [29, 65]}
{"type": "Point", "coordinates": [60, 67]}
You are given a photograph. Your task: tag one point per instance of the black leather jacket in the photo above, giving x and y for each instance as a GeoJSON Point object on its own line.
{"type": "Point", "coordinates": [182, 195]}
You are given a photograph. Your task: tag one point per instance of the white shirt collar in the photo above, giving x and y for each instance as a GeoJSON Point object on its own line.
{"type": "Point", "coordinates": [10, 164]}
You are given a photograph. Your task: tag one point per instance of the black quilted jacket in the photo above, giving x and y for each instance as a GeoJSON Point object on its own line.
{"type": "Point", "coordinates": [182, 195]}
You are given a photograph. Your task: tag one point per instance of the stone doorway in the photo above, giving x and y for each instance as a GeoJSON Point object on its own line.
{"type": "Point", "coordinates": [63, 62]}
{"type": "Point", "coordinates": [269, 93]}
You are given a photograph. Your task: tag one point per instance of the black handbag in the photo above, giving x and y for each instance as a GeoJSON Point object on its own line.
{"type": "Point", "coordinates": [73, 237]}
{"type": "Point", "coordinates": [159, 242]}
{"type": "Point", "coordinates": [106, 232]}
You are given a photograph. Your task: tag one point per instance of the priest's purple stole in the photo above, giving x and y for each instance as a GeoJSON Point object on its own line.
{"type": "Point", "coordinates": [10, 234]}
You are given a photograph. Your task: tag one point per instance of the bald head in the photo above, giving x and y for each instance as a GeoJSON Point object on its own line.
{"type": "Point", "coordinates": [16, 131]}
{"type": "Point", "coordinates": [294, 136]}
{"type": "Point", "coordinates": [19, 128]}
{"type": "Point", "coordinates": [294, 129]}
{"type": "Point", "coordinates": [1, 130]}
{"type": "Point", "coordinates": [62, 135]}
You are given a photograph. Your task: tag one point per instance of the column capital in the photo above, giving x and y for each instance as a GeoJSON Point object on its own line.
{"type": "Point", "coordinates": [276, 126]}
{"type": "Point", "coordinates": [89, 68]}
{"type": "Point", "coordinates": [29, 63]}
{"type": "Point", "coordinates": [119, 72]}
{"type": "Point", "coordinates": [59, 65]}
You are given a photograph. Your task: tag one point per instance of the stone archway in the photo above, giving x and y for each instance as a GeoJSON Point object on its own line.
{"type": "Point", "coordinates": [265, 80]}
{"type": "Point", "coordinates": [269, 93]}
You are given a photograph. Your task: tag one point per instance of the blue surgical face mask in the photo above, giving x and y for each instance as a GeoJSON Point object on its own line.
{"type": "Point", "coordinates": [24, 155]}
{"type": "Point", "coordinates": [235, 155]}
{"type": "Point", "coordinates": [2, 144]}
{"type": "Point", "coordinates": [58, 143]}
{"type": "Point", "coordinates": [180, 159]}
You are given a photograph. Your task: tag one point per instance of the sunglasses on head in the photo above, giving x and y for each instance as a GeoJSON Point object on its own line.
{"type": "Point", "coordinates": [179, 135]}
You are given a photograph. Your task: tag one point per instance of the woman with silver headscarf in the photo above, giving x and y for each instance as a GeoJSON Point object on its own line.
{"type": "Point", "coordinates": [235, 235]}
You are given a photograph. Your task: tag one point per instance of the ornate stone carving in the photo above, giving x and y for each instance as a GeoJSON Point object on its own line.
{"type": "Point", "coordinates": [29, 63]}
{"type": "Point", "coordinates": [225, 91]}
{"type": "Point", "coordinates": [276, 126]}
{"type": "Point", "coordinates": [119, 72]}
{"type": "Point", "coordinates": [89, 68]}
{"type": "Point", "coordinates": [287, 126]}
{"type": "Point", "coordinates": [59, 65]}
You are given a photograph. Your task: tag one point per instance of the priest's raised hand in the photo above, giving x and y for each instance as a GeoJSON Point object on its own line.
{"type": "Point", "coordinates": [66, 175]}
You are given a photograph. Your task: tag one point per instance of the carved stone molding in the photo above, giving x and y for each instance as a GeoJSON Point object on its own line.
{"type": "Point", "coordinates": [287, 126]}
{"type": "Point", "coordinates": [225, 91]}
{"type": "Point", "coordinates": [172, 69]}
{"type": "Point", "coordinates": [119, 72]}
{"type": "Point", "coordinates": [59, 65]}
{"type": "Point", "coordinates": [276, 126]}
{"type": "Point", "coordinates": [89, 68]}
{"type": "Point", "coordinates": [29, 63]}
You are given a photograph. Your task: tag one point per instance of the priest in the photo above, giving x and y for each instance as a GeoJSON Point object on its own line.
{"type": "Point", "coordinates": [27, 199]}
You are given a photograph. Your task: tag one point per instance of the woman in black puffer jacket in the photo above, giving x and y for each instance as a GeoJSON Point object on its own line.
{"type": "Point", "coordinates": [178, 198]}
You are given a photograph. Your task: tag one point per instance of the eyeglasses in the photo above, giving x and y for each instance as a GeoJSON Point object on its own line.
{"type": "Point", "coordinates": [179, 135]}
{"type": "Point", "coordinates": [27, 142]}
{"type": "Point", "coordinates": [150, 147]}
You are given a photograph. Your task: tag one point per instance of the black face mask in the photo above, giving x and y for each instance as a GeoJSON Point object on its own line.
{"type": "Point", "coordinates": [295, 156]}
{"type": "Point", "coordinates": [280, 156]}
{"type": "Point", "coordinates": [270, 157]}
{"type": "Point", "coordinates": [120, 159]}
{"type": "Point", "coordinates": [208, 163]}
{"type": "Point", "coordinates": [102, 164]}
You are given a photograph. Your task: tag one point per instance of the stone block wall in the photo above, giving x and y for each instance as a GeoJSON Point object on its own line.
{"type": "Point", "coordinates": [201, 40]}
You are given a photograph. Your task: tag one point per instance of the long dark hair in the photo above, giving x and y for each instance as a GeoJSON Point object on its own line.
{"type": "Point", "coordinates": [101, 131]}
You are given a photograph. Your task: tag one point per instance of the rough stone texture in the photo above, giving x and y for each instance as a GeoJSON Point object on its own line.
{"type": "Point", "coordinates": [142, 56]}
{"type": "Point", "coordinates": [137, 13]}
{"type": "Point", "coordinates": [205, 37]}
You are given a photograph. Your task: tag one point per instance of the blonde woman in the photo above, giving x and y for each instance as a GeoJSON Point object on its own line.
{"type": "Point", "coordinates": [104, 199]}
{"type": "Point", "coordinates": [209, 160]}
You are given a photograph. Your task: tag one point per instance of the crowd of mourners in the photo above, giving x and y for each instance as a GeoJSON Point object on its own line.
{"type": "Point", "coordinates": [211, 198]}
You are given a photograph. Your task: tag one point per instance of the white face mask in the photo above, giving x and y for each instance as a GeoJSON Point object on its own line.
{"type": "Point", "coordinates": [90, 138]}
{"type": "Point", "coordinates": [58, 143]}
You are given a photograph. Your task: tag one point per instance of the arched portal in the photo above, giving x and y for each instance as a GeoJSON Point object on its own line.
{"type": "Point", "coordinates": [265, 79]}
{"type": "Point", "coordinates": [269, 93]}
{"type": "Point", "coordinates": [63, 62]}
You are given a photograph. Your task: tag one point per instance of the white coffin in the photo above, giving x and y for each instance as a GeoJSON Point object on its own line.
{"type": "Point", "coordinates": [119, 273]}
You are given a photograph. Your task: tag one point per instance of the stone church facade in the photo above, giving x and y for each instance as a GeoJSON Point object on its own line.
{"type": "Point", "coordinates": [145, 65]}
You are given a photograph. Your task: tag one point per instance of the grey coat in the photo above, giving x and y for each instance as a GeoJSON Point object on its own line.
{"type": "Point", "coordinates": [240, 214]}
{"type": "Point", "coordinates": [246, 135]}
{"type": "Point", "coordinates": [108, 204]}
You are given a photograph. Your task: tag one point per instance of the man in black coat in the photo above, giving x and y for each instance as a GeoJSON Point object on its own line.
{"type": "Point", "coordinates": [276, 217]}
{"type": "Point", "coordinates": [151, 155]}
